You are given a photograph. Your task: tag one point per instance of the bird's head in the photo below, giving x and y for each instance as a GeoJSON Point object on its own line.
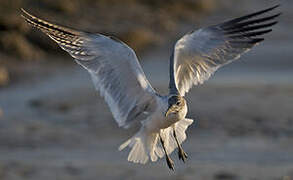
{"type": "Point", "coordinates": [175, 104]}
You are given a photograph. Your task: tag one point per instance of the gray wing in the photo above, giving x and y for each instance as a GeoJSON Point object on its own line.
{"type": "Point", "coordinates": [113, 66]}
{"type": "Point", "coordinates": [197, 55]}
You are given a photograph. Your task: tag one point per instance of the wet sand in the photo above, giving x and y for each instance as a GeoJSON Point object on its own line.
{"type": "Point", "coordinates": [57, 127]}
{"type": "Point", "coordinates": [53, 125]}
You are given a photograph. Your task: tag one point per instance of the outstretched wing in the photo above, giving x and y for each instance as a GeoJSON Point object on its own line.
{"type": "Point", "coordinates": [197, 55]}
{"type": "Point", "coordinates": [113, 66]}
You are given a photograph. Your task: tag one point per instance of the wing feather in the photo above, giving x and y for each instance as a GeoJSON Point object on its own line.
{"type": "Point", "coordinates": [113, 66]}
{"type": "Point", "coordinates": [198, 54]}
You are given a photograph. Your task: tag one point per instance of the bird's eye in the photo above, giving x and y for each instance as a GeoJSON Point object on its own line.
{"type": "Point", "coordinates": [178, 103]}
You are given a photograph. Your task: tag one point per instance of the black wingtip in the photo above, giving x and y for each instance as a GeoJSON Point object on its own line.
{"type": "Point", "coordinates": [275, 6]}
{"type": "Point", "coordinates": [250, 28]}
{"type": "Point", "coordinates": [279, 14]}
{"type": "Point", "coordinates": [239, 26]}
{"type": "Point", "coordinates": [257, 40]}
{"type": "Point", "coordinates": [232, 22]}
{"type": "Point", "coordinates": [247, 41]}
{"type": "Point", "coordinates": [250, 34]}
{"type": "Point", "coordinates": [269, 9]}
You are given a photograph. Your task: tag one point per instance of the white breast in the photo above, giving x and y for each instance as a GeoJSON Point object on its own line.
{"type": "Point", "coordinates": [173, 118]}
{"type": "Point", "coordinates": [158, 120]}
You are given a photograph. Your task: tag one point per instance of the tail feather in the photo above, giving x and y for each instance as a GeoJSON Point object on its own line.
{"type": "Point", "coordinates": [180, 128]}
{"type": "Point", "coordinates": [156, 151]}
{"type": "Point", "coordinates": [145, 146]}
{"type": "Point", "coordinates": [159, 152]}
{"type": "Point", "coordinates": [138, 153]}
{"type": "Point", "coordinates": [124, 145]}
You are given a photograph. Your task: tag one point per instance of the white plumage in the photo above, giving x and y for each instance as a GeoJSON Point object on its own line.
{"type": "Point", "coordinates": [118, 76]}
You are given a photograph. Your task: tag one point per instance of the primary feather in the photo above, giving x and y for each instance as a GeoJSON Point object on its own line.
{"type": "Point", "coordinates": [118, 76]}
{"type": "Point", "coordinates": [197, 55]}
{"type": "Point", "coordinates": [113, 66]}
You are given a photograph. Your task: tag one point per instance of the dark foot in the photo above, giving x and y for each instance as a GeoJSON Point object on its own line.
{"type": "Point", "coordinates": [170, 163]}
{"type": "Point", "coordinates": [182, 155]}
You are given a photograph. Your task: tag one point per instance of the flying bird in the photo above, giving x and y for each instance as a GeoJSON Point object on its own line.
{"type": "Point", "coordinates": [118, 76]}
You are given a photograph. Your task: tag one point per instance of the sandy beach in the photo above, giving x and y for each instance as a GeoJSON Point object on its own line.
{"type": "Point", "coordinates": [54, 125]}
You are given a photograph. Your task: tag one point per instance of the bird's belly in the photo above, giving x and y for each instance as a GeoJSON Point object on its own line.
{"type": "Point", "coordinates": [160, 122]}
{"type": "Point", "coordinates": [168, 123]}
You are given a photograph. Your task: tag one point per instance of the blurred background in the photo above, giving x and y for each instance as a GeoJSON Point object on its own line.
{"type": "Point", "coordinates": [53, 125]}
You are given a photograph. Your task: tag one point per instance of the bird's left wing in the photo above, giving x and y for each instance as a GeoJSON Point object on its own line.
{"type": "Point", "coordinates": [113, 66]}
{"type": "Point", "coordinates": [197, 55]}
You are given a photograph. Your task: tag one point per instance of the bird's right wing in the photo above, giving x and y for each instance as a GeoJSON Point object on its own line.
{"type": "Point", "coordinates": [113, 66]}
{"type": "Point", "coordinates": [197, 55]}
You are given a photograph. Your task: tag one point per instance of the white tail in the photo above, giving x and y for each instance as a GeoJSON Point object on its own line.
{"type": "Point", "coordinates": [180, 128]}
{"type": "Point", "coordinates": [145, 146]}
{"type": "Point", "coordinates": [138, 153]}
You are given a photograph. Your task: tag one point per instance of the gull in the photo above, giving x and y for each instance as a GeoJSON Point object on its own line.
{"type": "Point", "coordinates": [118, 76]}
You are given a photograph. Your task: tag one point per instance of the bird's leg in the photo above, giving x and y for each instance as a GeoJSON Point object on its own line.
{"type": "Point", "coordinates": [170, 162]}
{"type": "Point", "coordinates": [181, 154]}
